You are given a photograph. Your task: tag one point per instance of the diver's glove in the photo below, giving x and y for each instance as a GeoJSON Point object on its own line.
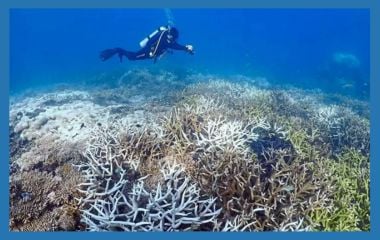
{"type": "Point", "coordinates": [190, 49]}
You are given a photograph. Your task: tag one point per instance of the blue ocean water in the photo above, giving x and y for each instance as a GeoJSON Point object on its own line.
{"type": "Point", "coordinates": [326, 49]}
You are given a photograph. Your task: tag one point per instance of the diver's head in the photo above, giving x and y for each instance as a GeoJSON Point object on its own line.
{"type": "Point", "coordinates": [173, 33]}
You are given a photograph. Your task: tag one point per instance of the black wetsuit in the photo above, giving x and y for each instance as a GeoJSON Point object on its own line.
{"type": "Point", "coordinates": [155, 47]}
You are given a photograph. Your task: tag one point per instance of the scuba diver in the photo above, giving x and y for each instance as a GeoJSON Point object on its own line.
{"type": "Point", "coordinates": [153, 46]}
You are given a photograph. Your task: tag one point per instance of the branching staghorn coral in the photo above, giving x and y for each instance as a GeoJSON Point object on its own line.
{"type": "Point", "coordinates": [199, 122]}
{"type": "Point", "coordinates": [201, 105]}
{"type": "Point", "coordinates": [275, 192]}
{"type": "Point", "coordinates": [116, 198]}
{"type": "Point", "coordinates": [175, 205]}
{"type": "Point", "coordinates": [342, 128]}
{"type": "Point", "coordinates": [275, 195]}
{"type": "Point", "coordinates": [351, 203]}
{"type": "Point", "coordinates": [229, 136]}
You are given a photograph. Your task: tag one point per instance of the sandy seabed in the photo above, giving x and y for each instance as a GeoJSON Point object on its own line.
{"type": "Point", "coordinates": [160, 152]}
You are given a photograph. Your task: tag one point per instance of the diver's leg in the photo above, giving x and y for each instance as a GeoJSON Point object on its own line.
{"type": "Point", "coordinates": [139, 55]}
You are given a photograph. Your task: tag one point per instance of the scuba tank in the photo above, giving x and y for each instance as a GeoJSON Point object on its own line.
{"type": "Point", "coordinates": [150, 36]}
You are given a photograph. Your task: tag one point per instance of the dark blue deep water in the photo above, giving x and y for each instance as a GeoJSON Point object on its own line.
{"type": "Point", "coordinates": [326, 49]}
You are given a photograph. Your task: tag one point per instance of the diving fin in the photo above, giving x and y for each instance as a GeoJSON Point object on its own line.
{"type": "Point", "coordinates": [108, 53]}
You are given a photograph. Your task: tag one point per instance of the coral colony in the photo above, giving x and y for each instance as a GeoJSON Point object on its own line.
{"type": "Point", "coordinates": [159, 152]}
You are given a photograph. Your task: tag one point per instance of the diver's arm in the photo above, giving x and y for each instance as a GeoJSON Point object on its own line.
{"type": "Point", "coordinates": [177, 46]}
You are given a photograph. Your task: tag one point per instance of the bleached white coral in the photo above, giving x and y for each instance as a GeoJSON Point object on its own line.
{"type": "Point", "coordinates": [327, 114]}
{"type": "Point", "coordinates": [203, 105]}
{"type": "Point", "coordinates": [115, 200]}
{"type": "Point", "coordinates": [237, 224]}
{"type": "Point", "coordinates": [175, 205]}
{"type": "Point", "coordinates": [231, 136]}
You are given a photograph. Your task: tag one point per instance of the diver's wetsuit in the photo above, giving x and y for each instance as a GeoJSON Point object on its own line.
{"type": "Point", "coordinates": [155, 47]}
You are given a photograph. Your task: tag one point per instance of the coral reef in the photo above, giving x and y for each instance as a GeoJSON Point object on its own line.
{"type": "Point", "coordinates": [162, 152]}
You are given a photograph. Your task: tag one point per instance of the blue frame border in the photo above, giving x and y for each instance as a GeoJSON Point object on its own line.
{"type": "Point", "coordinates": [372, 5]}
